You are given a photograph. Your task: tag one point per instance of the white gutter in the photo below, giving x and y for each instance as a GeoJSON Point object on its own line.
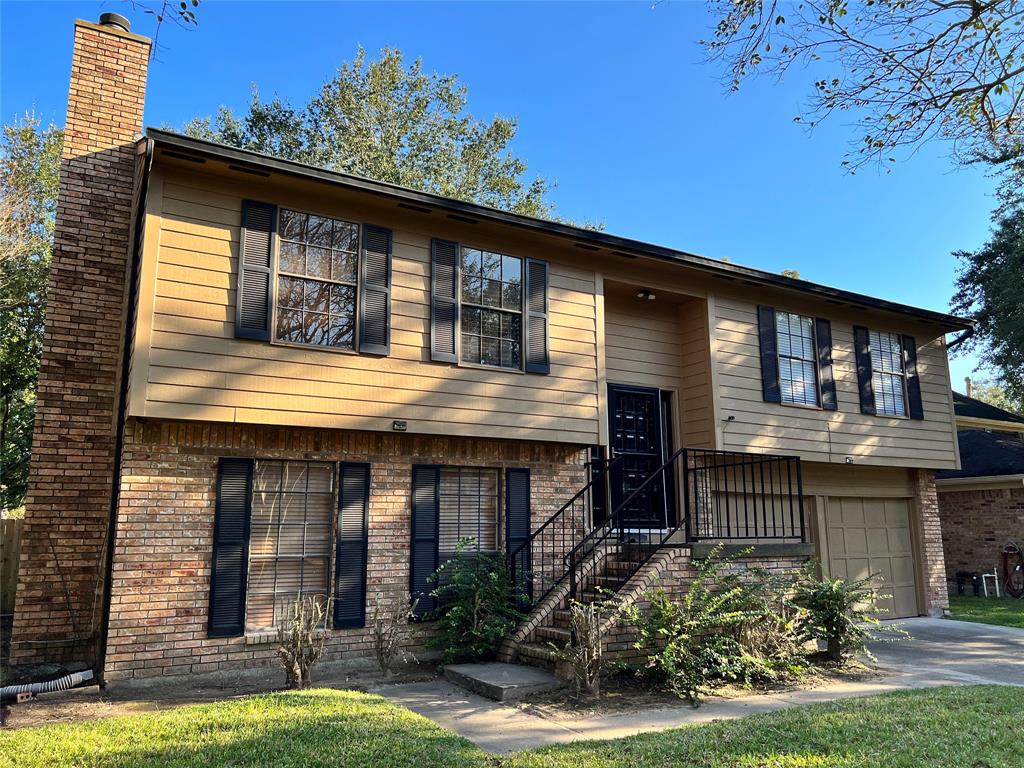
{"type": "Point", "coordinates": [978, 483]}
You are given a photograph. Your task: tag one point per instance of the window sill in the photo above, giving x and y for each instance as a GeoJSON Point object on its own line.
{"type": "Point", "coordinates": [495, 368]}
{"type": "Point", "coordinates": [317, 347]}
{"type": "Point", "coordinates": [270, 636]}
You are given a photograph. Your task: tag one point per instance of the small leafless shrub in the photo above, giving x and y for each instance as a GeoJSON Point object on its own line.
{"type": "Point", "coordinates": [301, 639]}
{"type": "Point", "coordinates": [584, 652]}
{"type": "Point", "coordinates": [390, 625]}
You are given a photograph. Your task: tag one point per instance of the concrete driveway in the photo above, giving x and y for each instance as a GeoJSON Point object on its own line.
{"type": "Point", "coordinates": [943, 652]}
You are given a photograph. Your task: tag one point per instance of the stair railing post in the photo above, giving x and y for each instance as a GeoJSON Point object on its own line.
{"type": "Point", "coordinates": [686, 493]}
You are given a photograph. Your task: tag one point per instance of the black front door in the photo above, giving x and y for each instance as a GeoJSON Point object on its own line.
{"type": "Point", "coordinates": [638, 434]}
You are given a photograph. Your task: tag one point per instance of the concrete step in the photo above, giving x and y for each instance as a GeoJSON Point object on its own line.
{"type": "Point", "coordinates": [501, 682]}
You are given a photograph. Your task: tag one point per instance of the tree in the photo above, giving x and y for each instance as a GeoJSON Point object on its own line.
{"type": "Point", "coordinates": [29, 167]}
{"type": "Point", "coordinates": [989, 288]}
{"type": "Point", "coordinates": [909, 70]}
{"type": "Point", "coordinates": [993, 394]}
{"type": "Point", "coordinates": [394, 123]}
{"type": "Point", "coordinates": [794, 273]}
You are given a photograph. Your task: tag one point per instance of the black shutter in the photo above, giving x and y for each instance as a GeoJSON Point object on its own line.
{"type": "Point", "coordinates": [230, 548]}
{"type": "Point", "coordinates": [255, 271]}
{"type": "Point", "coordinates": [425, 513]}
{"type": "Point", "coordinates": [375, 291]}
{"type": "Point", "coordinates": [770, 388]}
{"type": "Point", "coordinates": [826, 380]}
{"type": "Point", "coordinates": [536, 317]}
{"type": "Point", "coordinates": [351, 545]}
{"type": "Point", "coordinates": [444, 301]}
{"type": "Point", "coordinates": [517, 525]}
{"type": "Point", "coordinates": [862, 352]}
{"type": "Point", "coordinates": [914, 406]}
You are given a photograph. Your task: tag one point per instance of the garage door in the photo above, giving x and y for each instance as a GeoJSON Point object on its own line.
{"type": "Point", "coordinates": [868, 536]}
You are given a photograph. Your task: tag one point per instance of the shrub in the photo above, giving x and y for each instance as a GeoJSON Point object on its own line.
{"type": "Point", "coordinates": [725, 628]}
{"type": "Point", "coordinates": [301, 639]}
{"type": "Point", "coordinates": [843, 614]}
{"type": "Point", "coordinates": [476, 605]}
{"type": "Point", "coordinates": [585, 652]}
{"type": "Point", "coordinates": [390, 624]}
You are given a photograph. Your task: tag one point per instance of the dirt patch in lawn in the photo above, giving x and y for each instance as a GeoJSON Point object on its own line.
{"type": "Point", "coordinates": [127, 698]}
{"type": "Point", "coordinates": [624, 692]}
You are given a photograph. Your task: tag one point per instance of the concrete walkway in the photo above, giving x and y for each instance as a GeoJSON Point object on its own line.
{"type": "Point", "coordinates": [944, 652]}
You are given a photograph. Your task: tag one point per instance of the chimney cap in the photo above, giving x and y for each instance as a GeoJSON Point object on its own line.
{"type": "Point", "coordinates": [115, 20]}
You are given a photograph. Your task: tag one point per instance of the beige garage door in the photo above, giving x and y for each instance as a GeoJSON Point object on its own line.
{"type": "Point", "coordinates": [868, 536]}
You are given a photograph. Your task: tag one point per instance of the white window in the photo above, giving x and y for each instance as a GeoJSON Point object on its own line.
{"type": "Point", "coordinates": [469, 499]}
{"type": "Point", "coordinates": [888, 378]}
{"type": "Point", "coordinates": [289, 539]}
{"type": "Point", "coordinates": [798, 361]}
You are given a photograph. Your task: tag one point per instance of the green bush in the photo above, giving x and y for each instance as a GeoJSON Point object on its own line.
{"type": "Point", "coordinates": [726, 628]}
{"type": "Point", "coordinates": [476, 605]}
{"type": "Point", "coordinates": [843, 614]}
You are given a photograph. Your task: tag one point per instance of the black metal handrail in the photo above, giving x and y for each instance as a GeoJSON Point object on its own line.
{"type": "Point", "coordinates": [539, 563]}
{"type": "Point", "coordinates": [710, 511]}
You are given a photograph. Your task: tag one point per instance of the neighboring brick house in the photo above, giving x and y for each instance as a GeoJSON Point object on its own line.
{"type": "Point", "coordinates": [982, 503]}
{"type": "Point", "coordinates": [262, 379]}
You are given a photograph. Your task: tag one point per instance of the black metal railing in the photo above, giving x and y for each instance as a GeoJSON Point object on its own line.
{"type": "Point", "coordinates": [726, 496]}
{"type": "Point", "coordinates": [539, 563]}
{"type": "Point", "coordinates": [743, 496]}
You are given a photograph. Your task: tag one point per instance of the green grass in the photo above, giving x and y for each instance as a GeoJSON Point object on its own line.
{"type": "Point", "coordinates": [283, 730]}
{"type": "Point", "coordinates": [940, 728]}
{"type": "Point", "coordinates": [1006, 611]}
{"type": "Point", "coordinates": [945, 727]}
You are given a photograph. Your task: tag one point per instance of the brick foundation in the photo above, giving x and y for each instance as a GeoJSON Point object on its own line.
{"type": "Point", "coordinates": [68, 503]}
{"type": "Point", "coordinates": [161, 572]}
{"type": "Point", "coordinates": [976, 524]}
{"type": "Point", "coordinates": [929, 530]}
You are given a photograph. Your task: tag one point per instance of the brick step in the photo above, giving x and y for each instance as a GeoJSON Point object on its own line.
{"type": "Point", "coordinates": [562, 617]}
{"type": "Point", "coordinates": [537, 655]}
{"type": "Point", "coordinates": [560, 636]}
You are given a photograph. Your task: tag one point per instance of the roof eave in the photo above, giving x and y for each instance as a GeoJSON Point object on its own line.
{"type": "Point", "coordinates": [626, 246]}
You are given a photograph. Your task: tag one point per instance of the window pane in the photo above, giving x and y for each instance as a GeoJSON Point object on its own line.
{"type": "Point", "coordinates": [491, 295]}
{"type": "Point", "coordinates": [511, 296]}
{"type": "Point", "coordinates": [343, 266]}
{"type": "Point", "coordinates": [342, 332]}
{"type": "Point", "coordinates": [510, 327]}
{"type": "Point", "coordinates": [471, 320]}
{"type": "Point", "coordinates": [317, 296]}
{"type": "Point", "coordinates": [511, 269]}
{"type": "Point", "coordinates": [471, 348]}
{"type": "Point", "coordinates": [318, 231]}
{"type": "Point", "coordinates": [293, 257]}
{"type": "Point", "coordinates": [315, 326]}
{"type": "Point", "coordinates": [289, 325]}
{"type": "Point", "coordinates": [318, 262]}
{"type": "Point", "coordinates": [490, 351]}
{"type": "Point", "coordinates": [470, 261]}
{"type": "Point", "coordinates": [491, 323]}
{"type": "Point", "coordinates": [293, 225]}
{"type": "Point", "coordinates": [343, 300]}
{"type": "Point", "coordinates": [346, 236]}
{"type": "Point", "coordinates": [289, 292]}
{"type": "Point", "coordinates": [471, 289]}
{"type": "Point", "coordinates": [492, 265]}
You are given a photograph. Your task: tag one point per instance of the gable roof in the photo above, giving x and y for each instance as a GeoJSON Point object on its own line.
{"type": "Point", "coordinates": [985, 454]}
{"type": "Point", "coordinates": [969, 408]}
{"type": "Point", "coordinates": [586, 239]}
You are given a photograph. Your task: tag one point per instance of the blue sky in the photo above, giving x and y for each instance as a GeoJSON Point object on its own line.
{"type": "Point", "coordinates": [616, 104]}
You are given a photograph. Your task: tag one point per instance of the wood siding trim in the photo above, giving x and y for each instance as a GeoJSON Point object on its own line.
{"type": "Point", "coordinates": [142, 341]}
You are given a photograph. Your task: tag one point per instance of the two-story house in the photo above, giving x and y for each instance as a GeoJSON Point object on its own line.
{"type": "Point", "coordinates": [263, 379]}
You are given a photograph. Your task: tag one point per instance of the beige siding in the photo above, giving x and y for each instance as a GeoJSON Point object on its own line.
{"type": "Point", "coordinates": [643, 344]}
{"type": "Point", "coordinates": [698, 412]}
{"type": "Point", "coordinates": [820, 435]}
{"type": "Point", "coordinates": [194, 368]}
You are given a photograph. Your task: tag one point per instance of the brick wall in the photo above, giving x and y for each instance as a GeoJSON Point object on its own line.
{"type": "Point", "coordinates": [69, 493]}
{"type": "Point", "coordinates": [161, 572]}
{"type": "Point", "coordinates": [929, 527]}
{"type": "Point", "coordinates": [976, 525]}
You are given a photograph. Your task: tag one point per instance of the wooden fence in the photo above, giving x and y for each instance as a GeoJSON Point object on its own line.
{"type": "Point", "coordinates": [10, 545]}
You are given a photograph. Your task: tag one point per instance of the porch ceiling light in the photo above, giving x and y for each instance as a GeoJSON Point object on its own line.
{"type": "Point", "coordinates": [646, 293]}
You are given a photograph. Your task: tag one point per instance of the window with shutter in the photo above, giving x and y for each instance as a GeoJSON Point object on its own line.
{"type": "Point", "coordinates": [798, 359]}
{"type": "Point", "coordinates": [888, 377]}
{"type": "Point", "coordinates": [492, 308]}
{"type": "Point", "coordinates": [469, 499]}
{"type": "Point", "coordinates": [290, 539]}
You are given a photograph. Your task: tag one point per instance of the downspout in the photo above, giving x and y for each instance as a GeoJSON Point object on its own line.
{"type": "Point", "coordinates": [122, 409]}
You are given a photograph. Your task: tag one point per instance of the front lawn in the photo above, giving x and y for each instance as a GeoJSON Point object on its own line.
{"type": "Point", "coordinates": [307, 729]}
{"type": "Point", "coordinates": [937, 728]}
{"type": "Point", "coordinates": [1006, 611]}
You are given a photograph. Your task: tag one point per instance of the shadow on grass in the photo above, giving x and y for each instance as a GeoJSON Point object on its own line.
{"type": "Point", "coordinates": [308, 729]}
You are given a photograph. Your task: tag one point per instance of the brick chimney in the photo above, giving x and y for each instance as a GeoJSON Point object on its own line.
{"type": "Point", "coordinates": [63, 547]}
